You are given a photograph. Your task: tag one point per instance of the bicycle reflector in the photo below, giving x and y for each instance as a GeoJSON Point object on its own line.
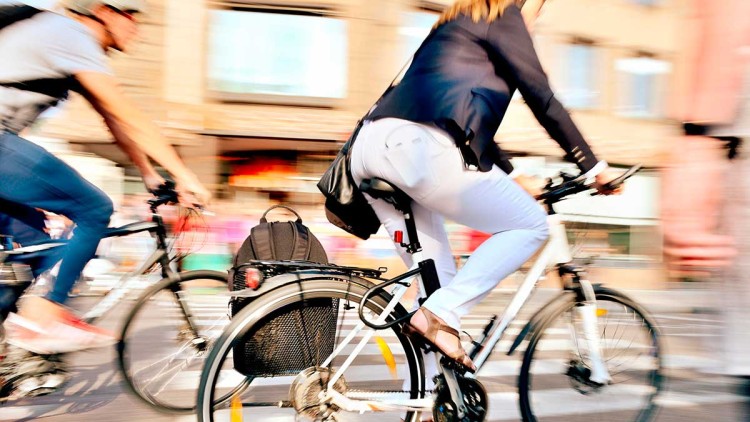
{"type": "Point", "coordinates": [253, 277]}
{"type": "Point", "coordinates": [235, 412]}
{"type": "Point", "coordinates": [390, 361]}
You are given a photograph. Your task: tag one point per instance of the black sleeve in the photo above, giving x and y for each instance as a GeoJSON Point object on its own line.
{"type": "Point", "coordinates": [514, 51]}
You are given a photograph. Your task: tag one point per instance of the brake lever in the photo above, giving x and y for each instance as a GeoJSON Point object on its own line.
{"type": "Point", "coordinates": [619, 180]}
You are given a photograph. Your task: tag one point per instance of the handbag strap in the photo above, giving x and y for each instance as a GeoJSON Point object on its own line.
{"type": "Point", "coordinates": [399, 75]}
{"type": "Point", "coordinates": [348, 145]}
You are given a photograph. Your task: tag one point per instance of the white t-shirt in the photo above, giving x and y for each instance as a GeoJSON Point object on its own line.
{"type": "Point", "coordinates": [47, 45]}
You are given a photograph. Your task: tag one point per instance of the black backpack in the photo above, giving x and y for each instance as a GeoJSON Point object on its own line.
{"type": "Point", "coordinates": [281, 241]}
{"type": "Point", "coordinates": [273, 346]}
{"type": "Point", "coordinates": [273, 241]}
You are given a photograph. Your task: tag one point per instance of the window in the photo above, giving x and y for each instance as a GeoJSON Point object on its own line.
{"type": "Point", "coordinates": [579, 87]}
{"type": "Point", "coordinates": [277, 57]}
{"type": "Point", "coordinates": [642, 84]}
{"type": "Point", "coordinates": [414, 29]}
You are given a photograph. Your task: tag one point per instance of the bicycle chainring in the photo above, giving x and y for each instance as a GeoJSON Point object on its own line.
{"type": "Point", "coordinates": [24, 374]}
{"type": "Point", "coordinates": [306, 393]}
{"type": "Point", "coordinates": [476, 401]}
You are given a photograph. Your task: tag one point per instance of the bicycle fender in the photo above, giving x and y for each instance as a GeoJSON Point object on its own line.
{"type": "Point", "coordinates": [537, 319]}
{"type": "Point", "coordinates": [281, 280]}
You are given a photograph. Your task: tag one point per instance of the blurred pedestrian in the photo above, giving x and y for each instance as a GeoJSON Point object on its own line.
{"type": "Point", "coordinates": [706, 185]}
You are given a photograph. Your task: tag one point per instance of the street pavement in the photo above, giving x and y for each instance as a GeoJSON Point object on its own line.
{"type": "Point", "coordinates": [685, 317]}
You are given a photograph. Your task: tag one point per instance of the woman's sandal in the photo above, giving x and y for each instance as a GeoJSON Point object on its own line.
{"type": "Point", "coordinates": [434, 325]}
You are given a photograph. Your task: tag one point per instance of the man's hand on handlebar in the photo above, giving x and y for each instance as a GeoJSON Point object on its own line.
{"type": "Point", "coordinates": [153, 181]}
{"type": "Point", "coordinates": [192, 193]}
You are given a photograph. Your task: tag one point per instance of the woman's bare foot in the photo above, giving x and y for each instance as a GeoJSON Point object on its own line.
{"type": "Point", "coordinates": [437, 333]}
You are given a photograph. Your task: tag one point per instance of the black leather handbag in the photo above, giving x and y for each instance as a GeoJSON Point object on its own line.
{"type": "Point", "coordinates": [346, 207]}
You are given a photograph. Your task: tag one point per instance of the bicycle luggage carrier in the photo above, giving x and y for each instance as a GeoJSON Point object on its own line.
{"type": "Point", "coordinates": [293, 338]}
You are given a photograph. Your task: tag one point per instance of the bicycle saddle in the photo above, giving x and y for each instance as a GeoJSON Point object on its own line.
{"type": "Point", "coordinates": [382, 189]}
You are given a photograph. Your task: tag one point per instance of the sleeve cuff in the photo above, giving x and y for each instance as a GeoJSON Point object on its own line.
{"type": "Point", "coordinates": [598, 168]}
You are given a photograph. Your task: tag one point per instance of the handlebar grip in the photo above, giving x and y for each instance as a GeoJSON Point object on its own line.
{"type": "Point", "coordinates": [616, 182]}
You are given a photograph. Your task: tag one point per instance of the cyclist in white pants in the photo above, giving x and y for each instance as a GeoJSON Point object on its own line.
{"type": "Point", "coordinates": [432, 136]}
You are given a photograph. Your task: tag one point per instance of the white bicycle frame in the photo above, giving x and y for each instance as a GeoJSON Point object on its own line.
{"type": "Point", "coordinates": [556, 251]}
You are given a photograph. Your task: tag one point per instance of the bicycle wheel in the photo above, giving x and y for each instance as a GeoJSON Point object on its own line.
{"type": "Point", "coordinates": [555, 384]}
{"type": "Point", "coordinates": [161, 350]}
{"type": "Point", "coordinates": [279, 343]}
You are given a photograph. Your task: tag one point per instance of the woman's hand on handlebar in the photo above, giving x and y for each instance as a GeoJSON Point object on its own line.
{"type": "Point", "coordinates": [602, 182]}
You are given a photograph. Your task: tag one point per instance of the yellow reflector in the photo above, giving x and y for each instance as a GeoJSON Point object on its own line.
{"type": "Point", "coordinates": [390, 361]}
{"type": "Point", "coordinates": [601, 312]}
{"type": "Point", "coordinates": [235, 414]}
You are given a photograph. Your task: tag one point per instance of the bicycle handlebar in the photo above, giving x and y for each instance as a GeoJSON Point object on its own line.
{"type": "Point", "coordinates": [572, 184]}
{"type": "Point", "coordinates": [163, 195]}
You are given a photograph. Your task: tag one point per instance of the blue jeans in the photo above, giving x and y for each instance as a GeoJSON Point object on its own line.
{"type": "Point", "coordinates": [31, 177]}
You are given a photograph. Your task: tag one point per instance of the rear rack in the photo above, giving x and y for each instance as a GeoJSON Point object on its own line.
{"type": "Point", "coordinates": [290, 266]}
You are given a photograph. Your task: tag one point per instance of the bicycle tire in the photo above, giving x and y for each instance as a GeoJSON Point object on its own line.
{"type": "Point", "coordinates": [638, 334]}
{"type": "Point", "coordinates": [280, 301]}
{"type": "Point", "coordinates": [130, 332]}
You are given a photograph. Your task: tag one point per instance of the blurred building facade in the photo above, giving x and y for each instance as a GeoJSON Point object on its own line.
{"type": "Point", "coordinates": [259, 95]}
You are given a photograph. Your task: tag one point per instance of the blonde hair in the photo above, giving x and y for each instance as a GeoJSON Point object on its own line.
{"type": "Point", "coordinates": [477, 9]}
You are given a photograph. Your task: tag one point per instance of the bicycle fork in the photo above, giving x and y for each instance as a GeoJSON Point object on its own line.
{"type": "Point", "coordinates": [587, 310]}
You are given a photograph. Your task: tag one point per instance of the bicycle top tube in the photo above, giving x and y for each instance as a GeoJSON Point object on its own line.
{"type": "Point", "coordinates": [128, 229]}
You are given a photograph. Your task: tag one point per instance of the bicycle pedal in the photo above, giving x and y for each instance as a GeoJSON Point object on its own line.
{"type": "Point", "coordinates": [453, 366]}
{"type": "Point", "coordinates": [428, 348]}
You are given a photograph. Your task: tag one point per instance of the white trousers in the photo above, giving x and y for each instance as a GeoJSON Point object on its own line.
{"type": "Point", "coordinates": [424, 162]}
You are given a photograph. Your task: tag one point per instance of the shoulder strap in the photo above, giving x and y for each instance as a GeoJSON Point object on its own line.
{"type": "Point", "coordinates": [301, 236]}
{"type": "Point", "coordinates": [52, 87]}
{"type": "Point", "coordinates": [12, 13]}
{"type": "Point", "coordinates": [56, 88]}
{"type": "Point", "coordinates": [261, 239]}
{"type": "Point", "coordinates": [400, 74]}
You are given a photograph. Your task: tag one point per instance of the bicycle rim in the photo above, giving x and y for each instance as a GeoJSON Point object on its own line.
{"type": "Point", "coordinates": [159, 356]}
{"type": "Point", "coordinates": [554, 384]}
{"type": "Point", "coordinates": [287, 378]}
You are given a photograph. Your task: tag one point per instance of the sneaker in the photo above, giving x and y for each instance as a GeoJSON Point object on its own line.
{"type": "Point", "coordinates": [68, 334]}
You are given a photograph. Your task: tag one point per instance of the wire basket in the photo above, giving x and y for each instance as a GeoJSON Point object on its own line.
{"type": "Point", "coordinates": [289, 340]}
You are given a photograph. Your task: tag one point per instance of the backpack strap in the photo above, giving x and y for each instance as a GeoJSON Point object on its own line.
{"type": "Point", "coordinates": [52, 87]}
{"type": "Point", "coordinates": [302, 242]}
{"type": "Point", "coordinates": [261, 240]}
